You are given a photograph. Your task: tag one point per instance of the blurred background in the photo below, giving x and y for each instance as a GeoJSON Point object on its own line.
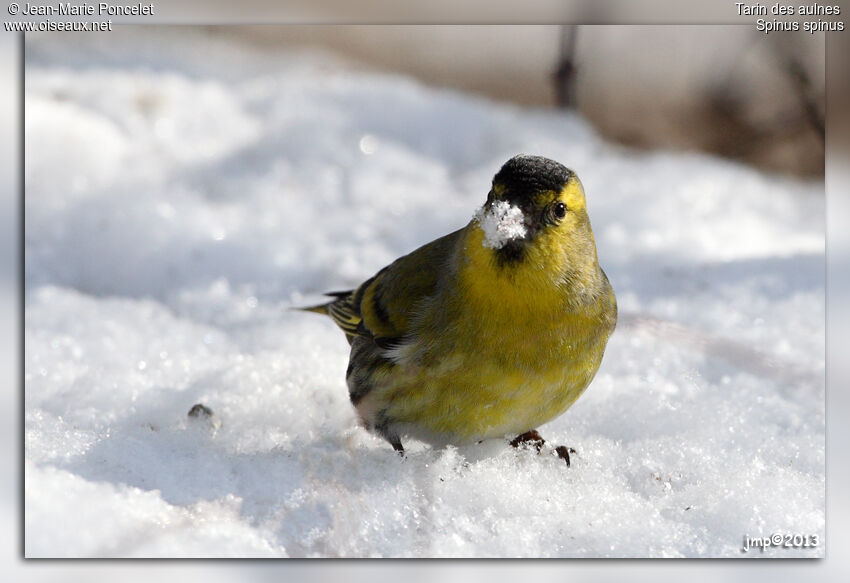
{"type": "Point", "coordinates": [702, 111]}
{"type": "Point", "coordinates": [728, 90]}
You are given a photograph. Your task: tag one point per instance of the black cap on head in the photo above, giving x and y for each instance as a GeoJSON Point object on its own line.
{"type": "Point", "coordinates": [524, 175]}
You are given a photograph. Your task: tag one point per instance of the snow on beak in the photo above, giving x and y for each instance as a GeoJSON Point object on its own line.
{"type": "Point", "coordinates": [501, 222]}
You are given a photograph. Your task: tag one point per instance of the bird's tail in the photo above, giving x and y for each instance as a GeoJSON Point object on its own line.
{"type": "Point", "coordinates": [340, 311]}
{"type": "Point", "coordinates": [319, 309]}
{"type": "Point", "coordinates": [325, 309]}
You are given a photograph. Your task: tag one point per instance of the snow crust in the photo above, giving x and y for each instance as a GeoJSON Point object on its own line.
{"type": "Point", "coordinates": [183, 192]}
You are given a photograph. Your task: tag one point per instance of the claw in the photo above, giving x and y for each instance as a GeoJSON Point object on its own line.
{"type": "Point", "coordinates": [529, 438]}
{"type": "Point", "coordinates": [564, 453]}
{"type": "Point", "coordinates": [398, 447]}
{"type": "Point", "coordinates": [533, 438]}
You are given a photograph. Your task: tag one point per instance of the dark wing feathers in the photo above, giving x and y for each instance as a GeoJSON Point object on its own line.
{"type": "Point", "coordinates": [344, 315]}
{"type": "Point", "coordinates": [381, 307]}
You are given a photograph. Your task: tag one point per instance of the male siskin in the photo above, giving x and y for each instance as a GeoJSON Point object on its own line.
{"type": "Point", "coordinates": [489, 331]}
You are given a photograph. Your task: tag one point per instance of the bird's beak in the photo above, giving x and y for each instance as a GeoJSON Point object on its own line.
{"type": "Point", "coordinates": [502, 223]}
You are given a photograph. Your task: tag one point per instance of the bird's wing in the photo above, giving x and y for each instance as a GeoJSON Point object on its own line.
{"type": "Point", "coordinates": [383, 306]}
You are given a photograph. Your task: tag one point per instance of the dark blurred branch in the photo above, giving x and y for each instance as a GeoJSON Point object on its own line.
{"type": "Point", "coordinates": [803, 85]}
{"type": "Point", "coordinates": [565, 74]}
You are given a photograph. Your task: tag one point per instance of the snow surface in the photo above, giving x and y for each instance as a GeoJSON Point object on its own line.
{"type": "Point", "coordinates": [184, 191]}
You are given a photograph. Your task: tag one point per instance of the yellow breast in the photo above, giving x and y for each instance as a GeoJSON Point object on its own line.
{"type": "Point", "coordinates": [503, 353]}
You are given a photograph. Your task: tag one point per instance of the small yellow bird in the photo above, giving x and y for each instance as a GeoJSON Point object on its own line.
{"type": "Point", "coordinates": [489, 331]}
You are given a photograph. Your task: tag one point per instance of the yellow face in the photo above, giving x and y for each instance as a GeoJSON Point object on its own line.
{"type": "Point", "coordinates": [565, 242]}
{"type": "Point", "coordinates": [560, 210]}
{"type": "Point", "coordinates": [573, 195]}
{"type": "Point", "coordinates": [526, 224]}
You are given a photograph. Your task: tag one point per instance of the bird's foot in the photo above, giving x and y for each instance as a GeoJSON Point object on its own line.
{"type": "Point", "coordinates": [529, 438]}
{"type": "Point", "coordinates": [399, 447]}
{"type": "Point", "coordinates": [564, 453]}
{"type": "Point", "coordinates": [533, 438]}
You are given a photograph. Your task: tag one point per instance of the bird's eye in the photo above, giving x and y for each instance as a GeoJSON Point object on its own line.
{"type": "Point", "coordinates": [560, 210]}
